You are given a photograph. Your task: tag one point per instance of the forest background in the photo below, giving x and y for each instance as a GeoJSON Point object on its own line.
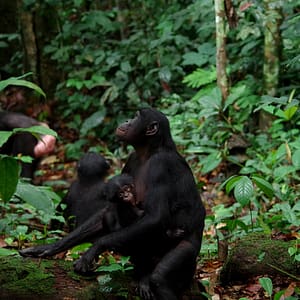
{"type": "Point", "coordinates": [226, 73]}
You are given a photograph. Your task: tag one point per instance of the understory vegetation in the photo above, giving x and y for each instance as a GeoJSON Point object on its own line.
{"type": "Point", "coordinates": [117, 58]}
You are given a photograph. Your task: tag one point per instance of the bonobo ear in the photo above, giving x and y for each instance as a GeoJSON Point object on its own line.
{"type": "Point", "coordinates": [152, 129]}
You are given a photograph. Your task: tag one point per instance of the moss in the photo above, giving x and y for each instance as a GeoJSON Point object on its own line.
{"type": "Point", "coordinates": [258, 254]}
{"type": "Point", "coordinates": [21, 276]}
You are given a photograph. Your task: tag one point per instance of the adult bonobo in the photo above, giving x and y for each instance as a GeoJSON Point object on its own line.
{"type": "Point", "coordinates": [166, 189]}
{"type": "Point", "coordinates": [84, 196]}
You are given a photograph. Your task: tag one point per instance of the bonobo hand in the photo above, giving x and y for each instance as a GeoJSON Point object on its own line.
{"type": "Point", "coordinates": [144, 290]}
{"type": "Point", "coordinates": [44, 146]}
{"type": "Point", "coordinates": [39, 251]}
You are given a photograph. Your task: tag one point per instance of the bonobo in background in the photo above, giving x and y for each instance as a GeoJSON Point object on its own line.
{"type": "Point", "coordinates": [24, 143]}
{"type": "Point", "coordinates": [166, 190]}
{"type": "Point", "coordinates": [14, 103]}
{"type": "Point", "coordinates": [84, 197]}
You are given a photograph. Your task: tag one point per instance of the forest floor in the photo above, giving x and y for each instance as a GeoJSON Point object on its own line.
{"type": "Point", "coordinates": [56, 168]}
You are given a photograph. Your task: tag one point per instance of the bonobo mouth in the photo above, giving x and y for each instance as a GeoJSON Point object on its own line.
{"type": "Point", "coordinates": [120, 131]}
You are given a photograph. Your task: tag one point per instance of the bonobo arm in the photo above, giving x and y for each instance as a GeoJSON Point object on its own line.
{"type": "Point", "coordinates": [10, 120]}
{"type": "Point", "coordinates": [89, 229]}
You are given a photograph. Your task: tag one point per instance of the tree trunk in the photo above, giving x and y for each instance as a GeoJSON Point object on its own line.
{"type": "Point", "coordinates": [29, 41]}
{"type": "Point", "coordinates": [221, 59]}
{"type": "Point", "coordinates": [272, 48]}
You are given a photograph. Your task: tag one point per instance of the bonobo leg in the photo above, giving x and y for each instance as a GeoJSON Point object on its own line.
{"type": "Point", "coordinates": [172, 275]}
{"type": "Point", "coordinates": [93, 227]}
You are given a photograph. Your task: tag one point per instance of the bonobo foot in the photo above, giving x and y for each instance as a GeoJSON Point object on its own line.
{"type": "Point", "coordinates": [38, 251]}
{"type": "Point", "coordinates": [84, 265]}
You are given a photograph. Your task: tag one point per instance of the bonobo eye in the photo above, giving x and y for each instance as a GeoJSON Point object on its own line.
{"type": "Point", "coordinates": [152, 129]}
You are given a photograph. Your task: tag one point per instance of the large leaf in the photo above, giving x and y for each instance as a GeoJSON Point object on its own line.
{"type": "Point", "coordinates": [35, 196]}
{"type": "Point", "coordinates": [21, 82]}
{"type": "Point", "coordinates": [267, 284]}
{"type": "Point", "coordinates": [200, 77]}
{"type": "Point", "coordinates": [243, 190]}
{"type": "Point", "coordinates": [93, 121]}
{"type": "Point", "coordinates": [4, 136]}
{"type": "Point", "coordinates": [289, 112]}
{"type": "Point", "coordinates": [211, 162]}
{"type": "Point", "coordinates": [9, 175]}
{"type": "Point", "coordinates": [264, 185]}
{"type": "Point", "coordinates": [230, 183]}
{"type": "Point", "coordinates": [36, 130]}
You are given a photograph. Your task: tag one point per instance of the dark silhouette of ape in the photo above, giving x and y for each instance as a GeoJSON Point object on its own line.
{"type": "Point", "coordinates": [85, 195]}
{"type": "Point", "coordinates": [166, 191]}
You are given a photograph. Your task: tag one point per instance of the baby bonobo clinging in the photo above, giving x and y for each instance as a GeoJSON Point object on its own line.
{"type": "Point", "coordinates": [119, 192]}
{"type": "Point", "coordinates": [85, 194]}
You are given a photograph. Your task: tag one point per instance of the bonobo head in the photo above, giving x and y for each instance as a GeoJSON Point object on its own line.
{"type": "Point", "coordinates": [149, 128]}
{"type": "Point", "coordinates": [92, 166]}
{"type": "Point", "coordinates": [121, 188]}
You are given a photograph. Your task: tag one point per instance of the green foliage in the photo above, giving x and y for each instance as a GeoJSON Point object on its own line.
{"type": "Point", "coordinates": [266, 283]}
{"type": "Point", "coordinates": [9, 174]}
{"type": "Point", "coordinates": [20, 82]}
{"type": "Point", "coordinates": [111, 278]}
{"type": "Point", "coordinates": [113, 265]}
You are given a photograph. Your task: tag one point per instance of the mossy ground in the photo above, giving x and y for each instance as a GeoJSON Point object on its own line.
{"type": "Point", "coordinates": [258, 254]}
{"type": "Point", "coordinates": [32, 279]}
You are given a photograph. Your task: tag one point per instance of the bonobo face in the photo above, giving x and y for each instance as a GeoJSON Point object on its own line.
{"type": "Point", "coordinates": [127, 194]}
{"type": "Point", "coordinates": [135, 130]}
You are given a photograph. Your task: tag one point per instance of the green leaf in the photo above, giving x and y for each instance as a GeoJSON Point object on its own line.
{"type": "Point", "coordinates": [110, 268]}
{"type": "Point", "coordinates": [35, 196]}
{"type": "Point", "coordinates": [4, 136]}
{"type": "Point", "coordinates": [230, 183]}
{"type": "Point", "coordinates": [211, 162]}
{"type": "Point", "coordinates": [243, 190]}
{"type": "Point", "coordinates": [200, 77]}
{"type": "Point", "coordinates": [21, 82]}
{"type": "Point", "coordinates": [165, 74]}
{"type": "Point", "coordinates": [267, 284]}
{"type": "Point", "coordinates": [8, 252]}
{"type": "Point", "coordinates": [9, 176]}
{"type": "Point", "coordinates": [264, 185]}
{"type": "Point", "coordinates": [289, 112]}
{"type": "Point", "coordinates": [282, 171]}
{"type": "Point", "coordinates": [296, 158]}
{"type": "Point", "coordinates": [92, 121]}
{"type": "Point", "coordinates": [36, 130]}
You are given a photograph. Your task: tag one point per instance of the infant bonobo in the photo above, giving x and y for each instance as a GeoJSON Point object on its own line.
{"type": "Point", "coordinates": [89, 193]}
{"type": "Point", "coordinates": [119, 193]}
{"type": "Point", "coordinates": [85, 194]}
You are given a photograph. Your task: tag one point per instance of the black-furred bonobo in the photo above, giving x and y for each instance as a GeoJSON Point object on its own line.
{"type": "Point", "coordinates": [166, 190]}
{"type": "Point", "coordinates": [89, 193]}
{"type": "Point", "coordinates": [24, 143]}
{"type": "Point", "coordinates": [84, 196]}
